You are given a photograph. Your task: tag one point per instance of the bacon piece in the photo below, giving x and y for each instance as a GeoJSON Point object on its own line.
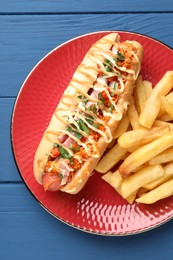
{"type": "Point", "coordinates": [62, 138]}
{"type": "Point", "coordinates": [94, 94]}
{"type": "Point", "coordinates": [68, 142]}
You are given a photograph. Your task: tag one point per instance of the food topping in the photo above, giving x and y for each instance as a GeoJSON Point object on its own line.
{"type": "Point", "coordinates": [89, 121]}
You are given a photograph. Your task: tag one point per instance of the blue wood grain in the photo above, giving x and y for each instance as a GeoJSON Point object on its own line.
{"type": "Point", "coordinates": [28, 31]}
{"type": "Point", "coordinates": [9, 172]}
{"type": "Point", "coordinates": [69, 6]}
{"type": "Point", "coordinates": [26, 39]}
{"type": "Point", "coordinates": [29, 232]}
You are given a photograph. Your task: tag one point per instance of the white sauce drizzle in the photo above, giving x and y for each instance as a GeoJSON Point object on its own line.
{"type": "Point", "coordinates": [100, 85]}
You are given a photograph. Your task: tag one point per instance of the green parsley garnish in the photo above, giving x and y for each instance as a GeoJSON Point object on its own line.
{"type": "Point", "coordinates": [96, 125]}
{"type": "Point", "coordinates": [82, 126]}
{"type": "Point", "coordinates": [64, 153]}
{"type": "Point", "coordinates": [107, 65]}
{"type": "Point", "coordinates": [83, 99]}
{"type": "Point", "coordinates": [112, 94]}
{"type": "Point", "coordinates": [107, 68]}
{"type": "Point", "coordinates": [69, 129]}
{"type": "Point", "coordinates": [115, 86]}
{"type": "Point", "coordinates": [60, 176]}
{"type": "Point", "coordinates": [121, 56]}
{"type": "Point", "coordinates": [89, 121]}
{"type": "Point", "coordinates": [94, 108]}
{"type": "Point", "coordinates": [77, 134]}
{"type": "Point", "coordinates": [76, 149]}
{"type": "Point", "coordinates": [111, 108]}
{"type": "Point", "coordinates": [100, 97]}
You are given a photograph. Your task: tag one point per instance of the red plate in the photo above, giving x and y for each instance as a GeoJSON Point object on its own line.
{"type": "Point", "coordinates": [97, 208]}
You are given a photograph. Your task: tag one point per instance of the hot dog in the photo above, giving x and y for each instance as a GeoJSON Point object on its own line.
{"type": "Point", "coordinates": [88, 114]}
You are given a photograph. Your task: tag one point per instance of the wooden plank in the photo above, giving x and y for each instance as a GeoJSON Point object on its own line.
{"type": "Point", "coordinates": [21, 217]}
{"type": "Point", "coordinates": [9, 171]}
{"type": "Point", "coordinates": [26, 39]}
{"type": "Point", "coordinates": [28, 232]}
{"type": "Point", "coordinates": [69, 6]}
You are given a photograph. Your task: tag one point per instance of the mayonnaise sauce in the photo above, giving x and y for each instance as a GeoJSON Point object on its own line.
{"type": "Point", "coordinates": [70, 117]}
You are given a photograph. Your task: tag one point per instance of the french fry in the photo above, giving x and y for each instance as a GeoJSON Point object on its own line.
{"type": "Point", "coordinates": [107, 177]}
{"type": "Point", "coordinates": [153, 104]}
{"type": "Point", "coordinates": [161, 192]}
{"type": "Point", "coordinates": [111, 158]}
{"type": "Point", "coordinates": [141, 191]}
{"type": "Point", "coordinates": [115, 180]}
{"type": "Point", "coordinates": [164, 157]}
{"type": "Point", "coordinates": [140, 178]}
{"type": "Point", "coordinates": [168, 106]}
{"type": "Point", "coordinates": [148, 88]}
{"type": "Point", "coordinates": [165, 118]}
{"type": "Point", "coordinates": [169, 98]}
{"type": "Point", "coordinates": [146, 132]}
{"type": "Point", "coordinates": [123, 126]}
{"type": "Point", "coordinates": [133, 148]}
{"type": "Point", "coordinates": [133, 114]}
{"type": "Point", "coordinates": [139, 94]}
{"type": "Point", "coordinates": [141, 136]}
{"type": "Point", "coordinates": [145, 153]}
{"type": "Point", "coordinates": [111, 144]}
{"type": "Point", "coordinates": [168, 169]}
{"type": "Point", "coordinates": [162, 123]}
{"type": "Point", "coordinates": [131, 198]}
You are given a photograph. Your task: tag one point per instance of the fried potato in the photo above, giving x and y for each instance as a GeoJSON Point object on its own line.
{"type": "Point", "coordinates": [163, 123]}
{"type": "Point", "coordinates": [168, 169]}
{"type": "Point", "coordinates": [144, 176]}
{"type": "Point", "coordinates": [111, 144]}
{"type": "Point", "coordinates": [144, 143]}
{"type": "Point", "coordinates": [107, 177]}
{"type": "Point", "coordinates": [133, 148]}
{"type": "Point", "coordinates": [148, 88]}
{"type": "Point", "coordinates": [133, 114]}
{"type": "Point", "coordinates": [141, 136]}
{"type": "Point", "coordinates": [164, 157]}
{"type": "Point", "coordinates": [131, 198]}
{"type": "Point", "coordinates": [145, 153]}
{"type": "Point", "coordinates": [141, 191]}
{"type": "Point", "coordinates": [115, 180]}
{"type": "Point", "coordinates": [169, 98]}
{"type": "Point", "coordinates": [153, 104]}
{"type": "Point", "coordinates": [168, 106]}
{"type": "Point", "coordinates": [161, 192]}
{"type": "Point", "coordinates": [123, 126]}
{"type": "Point", "coordinates": [165, 118]}
{"type": "Point", "coordinates": [139, 94]}
{"type": "Point", "coordinates": [111, 158]}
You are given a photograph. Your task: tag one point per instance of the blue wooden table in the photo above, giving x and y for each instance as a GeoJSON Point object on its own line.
{"type": "Point", "coordinates": [28, 31]}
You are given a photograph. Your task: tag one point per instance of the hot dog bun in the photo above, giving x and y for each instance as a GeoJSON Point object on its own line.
{"type": "Point", "coordinates": [45, 146]}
